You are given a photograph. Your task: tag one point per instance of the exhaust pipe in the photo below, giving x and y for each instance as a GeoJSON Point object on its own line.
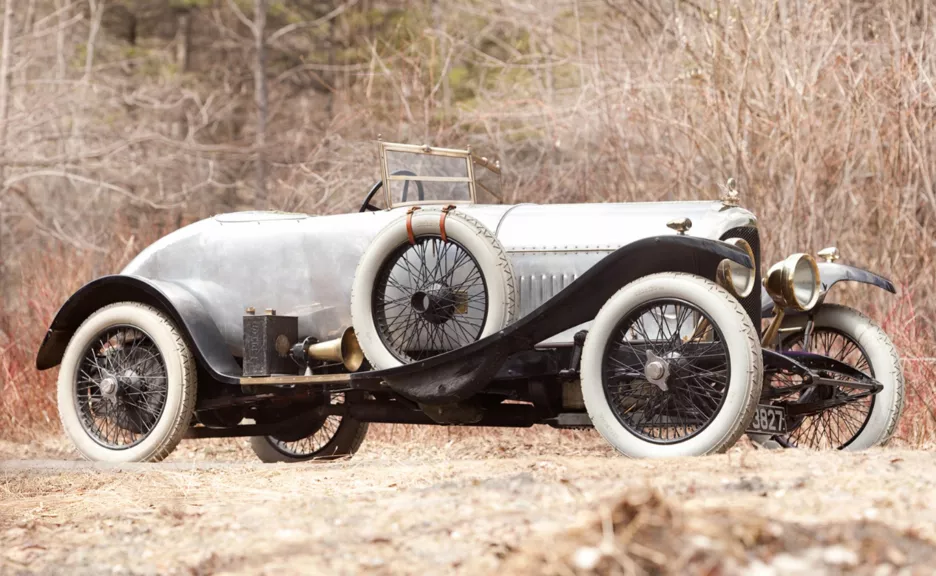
{"type": "Point", "coordinates": [344, 349]}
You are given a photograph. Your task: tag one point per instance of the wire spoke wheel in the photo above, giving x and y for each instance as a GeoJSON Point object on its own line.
{"type": "Point", "coordinates": [429, 298]}
{"type": "Point", "coordinates": [121, 387]}
{"type": "Point", "coordinates": [666, 371]}
{"type": "Point", "coordinates": [835, 427]}
{"type": "Point", "coordinates": [312, 440]}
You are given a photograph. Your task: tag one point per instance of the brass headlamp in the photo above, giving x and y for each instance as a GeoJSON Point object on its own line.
{"type": "Point", "coordinates": [736, 278]}
{"type": "Point", "coordinates": [794, 282]}
{"type": "Point", "coordinates": [791, 283]}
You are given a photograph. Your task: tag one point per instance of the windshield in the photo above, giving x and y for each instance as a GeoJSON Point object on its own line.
{"type": "Point", "coordinates": [426, 175]}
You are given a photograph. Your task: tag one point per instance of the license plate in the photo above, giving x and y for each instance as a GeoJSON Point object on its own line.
{"type": "Point", "coordinates": [768, 420]}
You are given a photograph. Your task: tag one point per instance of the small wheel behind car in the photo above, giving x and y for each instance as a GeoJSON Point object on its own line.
{"type": "Point", "coordinates": [319, 439]}
{"type": "Point", "coordinates": [127, 385]}
{"type": "Point", "coordinates": [671, 366]}
{"type": "Point", "coordinates": [421, 290]}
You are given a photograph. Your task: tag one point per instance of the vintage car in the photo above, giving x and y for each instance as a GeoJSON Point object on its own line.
{"type": "Point", "coordinates": [443, 306]}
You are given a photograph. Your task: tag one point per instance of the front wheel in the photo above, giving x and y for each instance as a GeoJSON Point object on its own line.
{"type": "Point", "coordinates": [849, 336]}
{"type": "Point", "coordinates": [127, 385]}
{"type": "Point", "coordinates": [671, 366]}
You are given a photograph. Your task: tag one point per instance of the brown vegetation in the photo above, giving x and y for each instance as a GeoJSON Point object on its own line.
{"type": "Point", "coordinates": [125, 119]}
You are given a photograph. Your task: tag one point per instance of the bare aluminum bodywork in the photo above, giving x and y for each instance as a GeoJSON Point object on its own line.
{"type": "Point", "coordinates": [304, 265]}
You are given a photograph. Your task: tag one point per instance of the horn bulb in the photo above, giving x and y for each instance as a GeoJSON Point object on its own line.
{"type": "Point", "coordinates": [344, 349]}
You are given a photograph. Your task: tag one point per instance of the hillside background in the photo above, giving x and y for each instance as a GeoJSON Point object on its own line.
{"type": "Point", "coordinates": [121, 120]}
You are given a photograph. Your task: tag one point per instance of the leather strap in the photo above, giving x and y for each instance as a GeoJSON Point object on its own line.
{"type": "Point", "coordinates": [445, 212]}
{"type": "Point", "coordinates": [409, 225]}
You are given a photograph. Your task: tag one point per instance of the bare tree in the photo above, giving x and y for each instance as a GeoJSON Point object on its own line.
{"type": "Point", "coordinates": [5, 50]}
{"type": "Point", "coordinates": [261, 99]}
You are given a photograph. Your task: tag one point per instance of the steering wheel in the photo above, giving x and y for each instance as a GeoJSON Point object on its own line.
{"type": "Point", "coordinates": [367, 206]}
{"type": "Point", "coordinates": [419, 187]}
{"type": "Point", "coordinates": [420, 192]}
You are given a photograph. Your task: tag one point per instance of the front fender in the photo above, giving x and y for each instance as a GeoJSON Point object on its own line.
{"type": "Point", "coordinates": [831, 273]}
{"type": "Point", "coordinates": [179, 304]}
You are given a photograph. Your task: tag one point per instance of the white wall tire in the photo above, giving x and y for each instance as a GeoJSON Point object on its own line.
{"type": "Point", "coordinates": [883, 361]}
{"type": "Point", "coordinates": [739, 338]}
{"type": "Point", "coordinates": [474, 237]}
{"type": "Point", "coordinates": [346, 441]}
{"type": "Point", "coordinates": [328, 438]}
{"type": "Point", "coordinates": [177, 401]}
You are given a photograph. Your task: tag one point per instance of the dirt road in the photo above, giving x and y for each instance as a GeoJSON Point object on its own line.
{"type": "Point", "coordinates": [471, 506]}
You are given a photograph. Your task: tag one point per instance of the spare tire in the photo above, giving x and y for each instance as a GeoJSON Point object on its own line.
{"type": "Point", "coordinates": [445, 289]}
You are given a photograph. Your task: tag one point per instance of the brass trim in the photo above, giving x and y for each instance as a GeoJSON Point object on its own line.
{"type": "Point", "coordinates": [405, 177]}
{"type": "Point", "coordinates": [483, 161]}
{"type": "Point", "coordinates": [731, 197]}
{"type": "Point", "coordinates": [680, 225]}
{"type": "Point", "coordinates": [433, 203]}
{"type": "Point", "coordinates": [771, 332]}
{"type": "Point", "coordinates": [471, 177]}
{"type": "Point", "coordinates": [723, 271]}
{"type": "Point", "coordinates": [344, 349]}
{"type": "Point", "coordinates": [830, 254]}
{"type": "Point", "coordinates": [424, 149]}
{"type": "Point", "coordinates": [700, 329]}
{"type": "Point", "coordinates": [290, 380]}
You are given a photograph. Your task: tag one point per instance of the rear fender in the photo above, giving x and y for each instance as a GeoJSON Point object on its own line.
{"type": "Point", "coordinates": [179, 304]}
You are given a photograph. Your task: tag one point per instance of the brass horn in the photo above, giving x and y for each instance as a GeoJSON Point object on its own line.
{"type": "Point", "coordinates": [344, 349]}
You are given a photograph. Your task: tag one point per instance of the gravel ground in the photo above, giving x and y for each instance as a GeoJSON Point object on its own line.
{"type": "Point", "coordinates": [536, 502]}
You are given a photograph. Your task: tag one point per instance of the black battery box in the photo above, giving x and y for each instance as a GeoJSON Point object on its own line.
{"type": "Point", "coordinates": [267, 339]}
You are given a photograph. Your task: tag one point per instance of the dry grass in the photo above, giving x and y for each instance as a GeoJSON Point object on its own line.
{"type": "Point", "coordinates": [646, 533]}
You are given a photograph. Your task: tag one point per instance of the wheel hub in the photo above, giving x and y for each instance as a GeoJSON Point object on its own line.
{"type": "Point", "coordinates": [108, 387]}
{"type": "Point", "coordinates": [656, 371]}
{"type": "Point", "coordinates": [437, 304]}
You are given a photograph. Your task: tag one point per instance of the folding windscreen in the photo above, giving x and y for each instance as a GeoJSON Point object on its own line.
{"type": "Point", "coordinates": [426, 175]}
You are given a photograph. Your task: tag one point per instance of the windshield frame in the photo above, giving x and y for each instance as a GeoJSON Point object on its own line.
{"type": "Point", "coordinates": [386, 177]}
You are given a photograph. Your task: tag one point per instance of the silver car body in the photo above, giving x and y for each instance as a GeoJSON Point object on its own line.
{"type": "Point", "coordinates": [303, 265]}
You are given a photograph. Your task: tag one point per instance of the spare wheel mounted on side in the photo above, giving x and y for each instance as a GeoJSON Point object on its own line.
{"type": "Point", "coordinates": [423, 288]}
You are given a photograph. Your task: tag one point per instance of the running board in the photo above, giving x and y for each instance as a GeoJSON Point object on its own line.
{"type": "Point", "coordinates": [294, 380]}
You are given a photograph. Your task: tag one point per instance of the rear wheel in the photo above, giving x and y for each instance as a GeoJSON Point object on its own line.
{"type": "Point", "coordinates": [319, 439]}
{"type": "Point", "coordinates": [127, 385]}
{"type": "Point", "coordinates": [851, 337]}
{"type": "Point", "coordinates": [671, 367]}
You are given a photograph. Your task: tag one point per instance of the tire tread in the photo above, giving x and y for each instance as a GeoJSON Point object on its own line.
{"type": "Point", "coordinates": [755, 359]}
{"type": "Point", "coordinates": [189, 381]}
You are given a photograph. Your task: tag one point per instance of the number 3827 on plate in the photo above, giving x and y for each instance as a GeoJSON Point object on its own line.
{"type": "Point", "coordinates": [768, 420]}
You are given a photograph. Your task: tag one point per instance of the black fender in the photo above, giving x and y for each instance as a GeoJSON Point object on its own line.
{"type": "Point", "coordinates": [179, 304]}
{"type": "Point", "coordinates": [461, 373]}
{"type": "Point", "coordinates": [831, 273]}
